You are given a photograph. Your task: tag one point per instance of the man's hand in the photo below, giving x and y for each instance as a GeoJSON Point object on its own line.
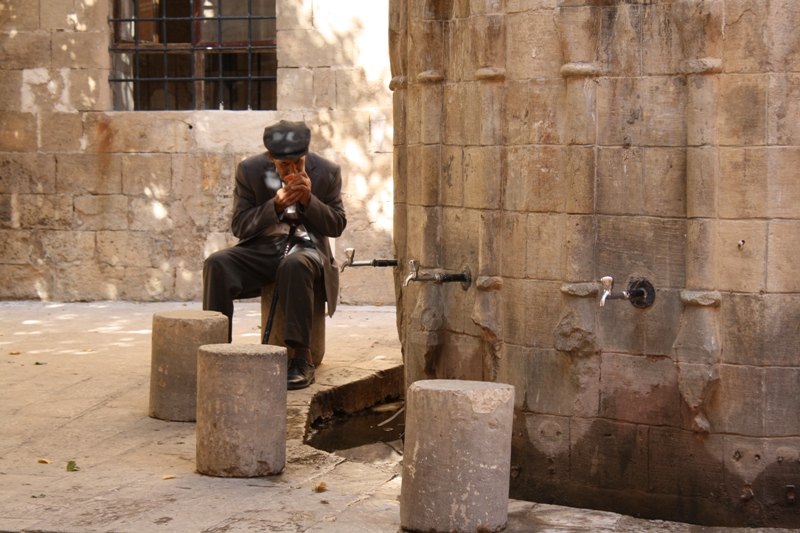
{"type": "Point", "coordinates": [297, 189]}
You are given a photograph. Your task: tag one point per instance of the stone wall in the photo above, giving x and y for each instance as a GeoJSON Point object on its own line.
{"type": "Point", "coordinates": [547, 143]}
{"type": "Point", "coordinates": [97, 204]}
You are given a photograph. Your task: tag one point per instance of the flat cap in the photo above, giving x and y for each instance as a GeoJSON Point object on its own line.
{"type": "Point", "coordinates": [287, 140]}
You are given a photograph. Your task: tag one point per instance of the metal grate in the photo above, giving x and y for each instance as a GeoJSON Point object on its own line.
{"type": "Point", "coordinates": [194, 54]}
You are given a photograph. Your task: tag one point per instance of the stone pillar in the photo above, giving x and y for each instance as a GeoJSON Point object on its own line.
{"type": "Point", "coordinates": [173, 370]}
{"type": "Point", "coordinates": [241, 410]}
{"type": "Point", "coordinates": [457, 456]}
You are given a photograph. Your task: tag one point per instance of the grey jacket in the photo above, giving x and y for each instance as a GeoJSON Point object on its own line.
{"type": "Point", "coordinates": [257, 182]}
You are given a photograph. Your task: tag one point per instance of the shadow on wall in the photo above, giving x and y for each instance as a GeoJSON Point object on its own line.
{"type": "Point", "coordinates": [97, 205]}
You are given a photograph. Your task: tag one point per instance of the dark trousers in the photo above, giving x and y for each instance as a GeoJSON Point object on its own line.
{"type": "Point", "coordinates": [241, 272]}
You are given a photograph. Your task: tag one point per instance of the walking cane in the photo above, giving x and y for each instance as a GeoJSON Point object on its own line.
{"type": "Point", "coordinates": [274, 305]}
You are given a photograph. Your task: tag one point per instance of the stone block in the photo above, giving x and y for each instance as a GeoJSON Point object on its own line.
{"type": "Point", "coordinates": [488, 35]}
{"type": "Point", "coordinates": [560, 384]}
{"type": "Point", "coordinates": [132, 248]}
{"type": "Point", "coordinates": [581, 118]}
{"type": "Point", "coordinates": [746, 458]}
{"type": "Point", "coordinates": [580, 179]}
{"type": "Point", "coordinates": [702, 171]}
{"type": "Point", "coordinates": [517, 113]}
{"type": "Point", "coordinates": [532, 40]}
{"type": "Point", "coordinates": [426, 47]}
{"type": "Point", "coordinates": [431, 114]}
{"type": "Point", "coordinates": [685, 462]}
{"type": "Point", "coordinates": [702, 101]}
{"type": "Point", "coordinates": [414, 176]}
{"type": "Point", "coordinates": [742, 120]}
{"type": "Point", "coordinates": [620, 181]}
{"type": "Point", "coordinates": [60, 132]}
{"type": "Point", "coordinates": [621, 44]}
{"type": "Point", "coordinates": [514, 247]}
{"type": "Point", "coordinates": [515, 312]}
{"type": "Point", "coordinates": [85, 281]}
{"type": "Point", "coordinates": [241, 434]}
{"type": "Point", "coordinates": [294, 14]}
{"type": "Point", "coordinates": [18, 246]}
{"type": "Point", "coordinates": [81, 50]}
{"type": "Point", "coordinates": [489, 246]}
{"type": "Point", "coordinates": [783, 42]}
{"type": "Point", "coordinates": [518, 171]}
{"type": "Point", "coordinates": [743, 182]}
{"type": "Point", "coordinates": [10, 93]}
{"type": "Point", "coordinates": [146, 284]}
{"type": "Point", "coordinates": [471, 447]}
{"type": "Point", "coordinates": [738, 405]}
{"type": "Point", "coordinates": [399, 117]}
{"type": "Point", "coordinates": [638, 389]}
{"type": "Point", "coordinates": [62, 247]}
{"type": "Point", "coordinates": [150, 175]}
{"type": "Point", "coordinates": [665, 182]}
{"type": "Point", "coordinates": [745, 46]}
{"type": "Point", "coordinates": [452, 181]}
{"type": "Point", "coordinates": [425, 242]}
{"type": "Point", "coordinates": [306, 48]}
{"type": "Point", "coordinates": [324, 86]}
{"type": "Point", "coordinates": [27, 173]}
{"type": "Point", "coordinates": [430, 177]}
{"type": "Point", "coordinates": [651, 248]}
{"type": "Point", "coordinates": [483, 177]}
{"type": "Point", "coordinates": [608, 454]}
{"type": "Point", "coordinates": [462, 355]}
{"type": "Point", "coordinates": [783, 266]}
{"type": "Point", "coordinates": [44, 211]}
{"type": "Point", "coordinates": [661, 51]}
{"type": "Point", "coordinates": [79, 174]}
{"type": "Point", "coordinates": [26, 50]}
{"type": "Point", "coordinates": [479, 7]}
{"type": "Point", "coordinates": [781, 401]}
{"type": "Point", "coordinates": [414, 115]}
{"type": "Point", "coordinates": [784, 103]}
{"type": "Point", "coordinates": [150, 132]}
{"type": "Point", "coordinates": [460, 53]}
{"type": "Point", "coordinates": [742, 255]}
{"type": "Point", "coordinates": [579, 235]}
{"type": "Point", "coordinates": [491, 126]}
{"type": "Point", "coordinates": [547, 108]}
{"type": "Point", "coordinates": [57, 15]}
{"type": "Point", "coordinates": [701, 254]}
{"type": "Point", "coordinates": [19, 15]}
{"type": "Point", "coordinates": [296, 88]}
{"type": "Point", "coordinates": [106, 212]}
{"type": "Point", "coordinates": [644, 111]}
{"type": "Point", "coordinates": [230, 131]}
{"type": "Point", "coordinates": [546, 243]}
{"type": "Point", "coordinates": [546, 189]}
{"type": "Point", "coordinates": [743, 329]}
{"type": "Point", "coordinates": [30, 282]}
{"type": "Point", "coordinates": [400, 174]}
{"type": "Point", "coordinates": [460, 240]}
{"type": "Point", "coordinates": [18, 132]}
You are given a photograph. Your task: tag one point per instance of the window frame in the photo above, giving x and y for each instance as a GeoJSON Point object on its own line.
{"type": "Point", "coordinates": [198, 50]}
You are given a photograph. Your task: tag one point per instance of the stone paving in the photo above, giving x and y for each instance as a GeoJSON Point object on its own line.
{"type": "Point", "coordinates": [75, 388]}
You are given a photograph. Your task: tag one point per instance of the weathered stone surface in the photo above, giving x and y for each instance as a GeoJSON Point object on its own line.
{"type": "Point", "coordinates": [783, 271]}
{"type": "Point", "coordinates": [683, 462]}
{"type": "Point", "coordinates": [741, 255]}
{"type": "Point", "coordinates": [745, 47]}
{"type": "Point", "coordinates": [125, 132]}
{"type": "Point", "coordinates": [80, 50]}
{"type": "Point", "coordinates": [477, 440]}
{"type": "Point", "coordinates": [600, 465]}
{"type": "Point", "coordinates": [296, 88]}
{"type": "Point", "coordinates": [661, 50]}
{"type": "Point", "coordinates": [482, 177]}
{"type": "Point", "coordinates": [43, 211]}
{"type": "Point", "coordinates": [620, 46]}
{"type": "Point", "coordinates": [738, 406]}
{"type": "Point", "coordinates": [87, 174]}
{"type": "Point", "coordinates": [18, 132]}
{"type": "Point", "coordinates": [784, 91]}
{"type": "Point", "coordinates": [701, 254]}
{"type": "Point", "coordinates": [545, 247]}
{"type": "Point", "coordinates": [67, 246]}
{"type": "Point", "coordinates": [640, 389]}
{"type": "Point", "coordinates": [19, 15]}
{"type": "Point", "coordinates": [177, 335]}
{"type": "Point", "coordinates": [702, 104]}
{"type": "Point", "coordinates": [60, 131]}
{"type": "Point", "coordinates": [742, 120]}
{"type": "Point", "coordinates": [10, 97]}
{"type": "Point", "coordinates": [241, 434]}
{"type": "Point", "coordinates": [109, 212]}
{"type": "Point", "coordinates": [532, 40]}
{"type": "Point", "coordinates": [781, 405]}
{"type": "Point", "coordinates": [27, 173]}
{"type": "Point", "coordinates": [702, 169]}
{"type": "Point", "coordinates": [783, 197]}
{"type": "Point", "coordinates": [25, 49]}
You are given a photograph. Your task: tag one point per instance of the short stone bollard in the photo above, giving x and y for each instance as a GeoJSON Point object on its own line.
{"type": "Point", "coordinates": [241, 410]}
{"type": "Point", "coordinates": [173, 365]}
{"type": "Point", "coordinates": [457, 456]}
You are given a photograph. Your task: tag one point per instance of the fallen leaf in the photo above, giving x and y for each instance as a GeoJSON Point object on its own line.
{"type": "Point", "coordinates": [88, 350]}
{"type": "Point", "coordinates": [13, 353]}
{"type": "Point", "coordinates": [45, 461]}
{"type": "Point", "coordinates": [168, 477]}
{"type": "Point", "coordinates": [72, 467]}
{"type": "Point", "coordinates": [39, 496]}
{"type": "Point", "coordinates": [38, 363]}
{"type": "Point", "coordinates": [320, 487]}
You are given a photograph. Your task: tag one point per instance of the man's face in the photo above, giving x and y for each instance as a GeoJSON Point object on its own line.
{"type": "Point", "coordinates": [285, 167]}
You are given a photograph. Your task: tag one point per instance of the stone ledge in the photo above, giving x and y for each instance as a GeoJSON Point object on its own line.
{"type": "Point", "coordinates": [701, 298]}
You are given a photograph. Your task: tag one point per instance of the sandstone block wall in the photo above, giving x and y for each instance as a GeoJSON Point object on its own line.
{"type": "Point", "coordinates": [547, 143]}
{"type": "Point", "coordinates": [97, 204]}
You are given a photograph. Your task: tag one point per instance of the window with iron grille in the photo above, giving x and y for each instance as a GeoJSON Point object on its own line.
{"type": "Point", "coordinates": [193, 54]}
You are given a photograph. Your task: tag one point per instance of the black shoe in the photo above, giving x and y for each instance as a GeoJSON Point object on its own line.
{"type": "Point", "coordinates": [301, 374]}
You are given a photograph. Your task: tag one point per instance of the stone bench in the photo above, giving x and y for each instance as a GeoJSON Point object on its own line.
{"type": "Point", "coordinates": [457, 456]}
{"type": "Point", "coordinates": [173, 365]}
{"type": "Point", "coordinates": [241, 410]}
{"type": "Point", "coordinates": [317, 325]}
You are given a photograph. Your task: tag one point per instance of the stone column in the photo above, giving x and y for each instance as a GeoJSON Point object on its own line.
{"type": "Point", "coordinates": [697, 347]}
{"type": "Point", "coordinates": [173, 368]}
{"type": "Point", "coordinates": [241, 410]}
{"type": "Point", "coordinates": [457, 456]}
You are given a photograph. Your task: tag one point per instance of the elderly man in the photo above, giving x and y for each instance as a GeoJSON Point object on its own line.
{"type": "Point", "coordinates": [285, 191]}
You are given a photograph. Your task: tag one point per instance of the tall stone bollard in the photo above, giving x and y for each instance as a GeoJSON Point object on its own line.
{"type": "Point", "coordinates": [241, 410]}
{"type": "Point", "coordinates": [173, 365]}
{"type": "Point", "coordinates": [457, 456]}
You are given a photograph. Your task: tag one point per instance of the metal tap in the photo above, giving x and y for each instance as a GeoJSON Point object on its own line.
{"type": "Point", "coordinates": [351, 253]}
{"type": "Point", "coordinates": [465, 278]}
{"type": "Point", "coordinates": [640, 293]}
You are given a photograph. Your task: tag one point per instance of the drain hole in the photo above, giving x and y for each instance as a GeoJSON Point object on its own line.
{"type": "Point", "coordinates": [358, 429]}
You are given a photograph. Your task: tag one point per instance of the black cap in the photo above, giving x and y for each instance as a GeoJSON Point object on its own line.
{"type": "Point", "coordinates": [287, 140]}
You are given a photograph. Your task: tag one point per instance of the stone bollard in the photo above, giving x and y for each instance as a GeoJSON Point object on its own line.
{"type": "Point", "coordinates": [173, 364]}
{"type": "Point", "coordinates": [457, 456]}
{"type": "Point", "coordinates": [241, 410]}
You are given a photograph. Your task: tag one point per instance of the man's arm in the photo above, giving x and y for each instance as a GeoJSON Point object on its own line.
{"type": "Point", "coordinates": [325, 214]}
{"type": "Point", "coordinates": [250, 219]}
